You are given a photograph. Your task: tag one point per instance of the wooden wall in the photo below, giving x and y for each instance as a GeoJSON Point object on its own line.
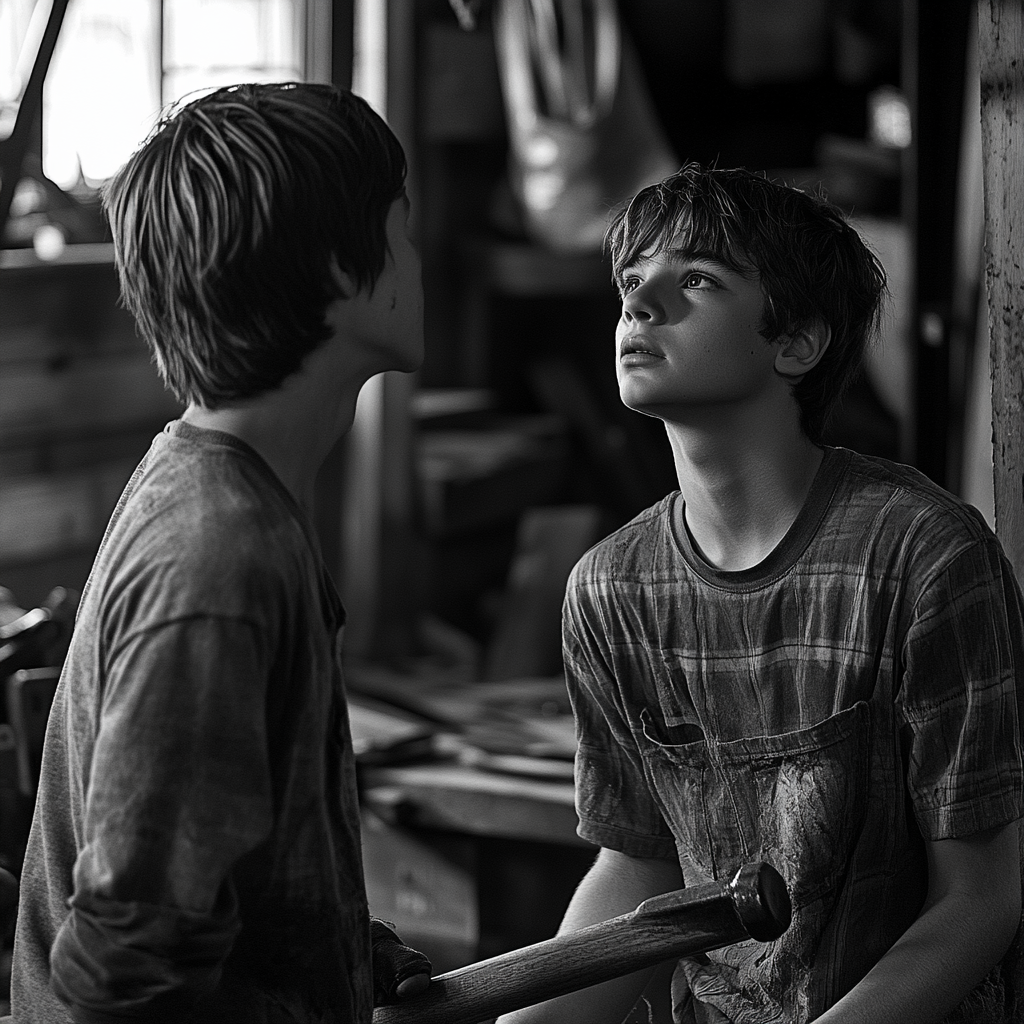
{"type": "Point", "coordinates": [1001, 49]}
{"type": "Point", "coordinates": [79, 403]}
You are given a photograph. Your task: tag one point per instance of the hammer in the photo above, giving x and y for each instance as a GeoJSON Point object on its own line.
{"type": "Point", "coordinates": [754, 905]}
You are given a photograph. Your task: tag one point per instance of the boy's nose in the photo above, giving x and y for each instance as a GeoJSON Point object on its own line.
{"type": "Point", "coordinates": [639, 304]}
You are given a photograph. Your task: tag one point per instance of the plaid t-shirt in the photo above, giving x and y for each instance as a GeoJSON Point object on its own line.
{"type": "Point", "coordinates": [195, 851]}
{"type": "Point", "coordinates": [858, 692]}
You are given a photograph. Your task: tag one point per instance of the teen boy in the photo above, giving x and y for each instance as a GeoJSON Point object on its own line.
{"type": "Point", "coordinates": [195, 851]}
{"type": "Point", "coordinates": [803, 655]}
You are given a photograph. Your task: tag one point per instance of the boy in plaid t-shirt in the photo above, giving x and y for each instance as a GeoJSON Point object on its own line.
{"type": "Point", "coordinates": [804, 655]}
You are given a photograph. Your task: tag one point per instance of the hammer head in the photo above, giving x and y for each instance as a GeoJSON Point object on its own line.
{"type": "Point", "coordinates": [761, 899]}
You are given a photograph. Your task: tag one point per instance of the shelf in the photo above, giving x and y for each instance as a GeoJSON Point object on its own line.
{"type": "Point", "coordinates": [83, 254]}
{"type": "Point", "coordinates": [523, 269]}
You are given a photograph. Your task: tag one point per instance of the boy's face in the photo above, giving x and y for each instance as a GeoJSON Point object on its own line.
{"type": "Point", "coordinates": [687, 338]}
{"type": "Point", "coordinates": [388, 322]}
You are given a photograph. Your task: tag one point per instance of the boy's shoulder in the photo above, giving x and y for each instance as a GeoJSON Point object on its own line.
{"type": "Point", "coordinates": [631, 549]}
{"type": "Point", "coordinates": [202, 522]}
{"type": "Point", "coordinates": [904, 503]}
{"type": "Point", "coordinates": [196, 483]}
{"type": "Point", "coordinates": [860, 500]}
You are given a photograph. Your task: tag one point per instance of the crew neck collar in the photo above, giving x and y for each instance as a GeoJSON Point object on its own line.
{"type": "Point", "coordinates": [787, 551]}
{"type": "Point", "coordinates": [186, 431]}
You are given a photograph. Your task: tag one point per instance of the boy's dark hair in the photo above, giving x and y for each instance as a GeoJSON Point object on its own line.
{"type": "Point", "coordinates": [227, 221]}
{"type": "Point", "coordinates": [812, 265]}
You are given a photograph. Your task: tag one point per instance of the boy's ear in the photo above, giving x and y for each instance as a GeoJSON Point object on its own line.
{"type": "Point", "coordinates": [800, 352]}
{"type": "Point", "coordinates": [345, 284]}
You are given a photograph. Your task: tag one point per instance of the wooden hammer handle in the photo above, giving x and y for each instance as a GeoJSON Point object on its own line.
{"type": "Point", "coordinates": [755, 904]}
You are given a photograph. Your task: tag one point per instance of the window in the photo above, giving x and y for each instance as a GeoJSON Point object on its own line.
{"type": "Point", "coordinates": [119, 62]}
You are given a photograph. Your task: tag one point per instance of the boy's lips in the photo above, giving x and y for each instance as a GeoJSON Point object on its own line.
{"type": "Point", "coordinates": [638, 347]}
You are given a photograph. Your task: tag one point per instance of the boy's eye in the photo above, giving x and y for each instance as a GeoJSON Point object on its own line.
{"type": "Point", "coordinates": [695, 279]}
{"type": "Point", "coordinates": [627, 284]}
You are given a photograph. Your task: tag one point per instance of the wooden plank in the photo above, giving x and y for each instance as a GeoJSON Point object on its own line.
{"type": "Point", "coordinates": [57, 312]}
{"type": "Point", "coordinates": [78, 254]}
{"type": "Point", "coordinates": [48, 515]}
{"type": "Point", "coordinates": [460, 799]}
{"type": "Point", "coordinates": [1001, 51]}
{"type": "Point", "coordinates": [755, 904]}
{"type": "Point", "coordinates": [119, 390]}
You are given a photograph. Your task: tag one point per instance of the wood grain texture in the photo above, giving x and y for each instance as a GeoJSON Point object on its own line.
{"type": "Point", "coordinates": [1001, 53]}
{"type": "Point", "coordinates": [680, 923]}
{"type": "Point", "coordinates": [463, 800]}
{"type": "Point", "coordinates": [94, 394]}
{"type": "Point", "coordinates": [47, 514]}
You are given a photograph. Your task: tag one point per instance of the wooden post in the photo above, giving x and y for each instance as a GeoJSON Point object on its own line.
{"type": "Point", "coordinates": [1001, 52]}
{"type": "Point", "coordinates": [378, 549]}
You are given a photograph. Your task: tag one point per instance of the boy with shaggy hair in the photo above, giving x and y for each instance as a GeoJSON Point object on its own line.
{"type": "Point", "coordinates": [804, 655]}
{"type": "Point", "coordinates": [195, 851]}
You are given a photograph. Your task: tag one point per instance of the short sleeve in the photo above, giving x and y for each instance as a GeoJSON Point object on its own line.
{"type": "Point", "coordinates": [613, 800]}
{"type": "Point", "coordinates": [962, 694]}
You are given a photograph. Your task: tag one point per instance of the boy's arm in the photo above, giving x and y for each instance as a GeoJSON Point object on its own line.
{"type": "Point", "coordinates": [179, 789]}
{"type": "Point", "coordinates": [969, 918]}
{"type": "Point", "coordinates": [616, 884]}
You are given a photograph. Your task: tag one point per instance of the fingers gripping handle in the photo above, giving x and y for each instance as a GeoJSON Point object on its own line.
{"type": "Point", "coordinates": [754, 904]}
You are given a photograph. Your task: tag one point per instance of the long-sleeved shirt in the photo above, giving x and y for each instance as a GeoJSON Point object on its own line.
{"type": "Point", "coordinates": [195, 850]}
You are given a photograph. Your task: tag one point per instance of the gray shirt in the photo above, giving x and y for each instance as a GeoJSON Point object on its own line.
{"type": "Point", "coordinates": [195, 852]}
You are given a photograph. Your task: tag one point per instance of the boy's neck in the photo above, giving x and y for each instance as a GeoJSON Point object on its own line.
{"type": "Point", "coordinates": [294, 427]}
{"type": "Point", "coordinates": [742, 492]}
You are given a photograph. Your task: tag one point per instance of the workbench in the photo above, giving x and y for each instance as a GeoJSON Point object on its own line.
{"type": "Point", "coordinates": [469, 835]}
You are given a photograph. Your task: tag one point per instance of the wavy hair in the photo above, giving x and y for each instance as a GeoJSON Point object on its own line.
{"type": "Point", "coordinates": [227, 222]}
{"type": "Point", "coordinates": [811, 264]}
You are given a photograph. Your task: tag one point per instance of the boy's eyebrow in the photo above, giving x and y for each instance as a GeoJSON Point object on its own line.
{"type": "Point", "coordinates": [698, 255]}
{"type": "Point", "coordinates": [690, 255]}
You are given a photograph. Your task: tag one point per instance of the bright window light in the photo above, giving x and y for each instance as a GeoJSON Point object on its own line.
{"type": "Point", "coordinates": [102, 90]}
{"type": "Point", "coordinates": [21, 28]}
{"type": "Point", "coordinates": [118, 63]}
{"type": "Point", "coordinates": [210, 43]}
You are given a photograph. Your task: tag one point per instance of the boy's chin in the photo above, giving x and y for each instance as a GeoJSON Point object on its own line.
{"type": "Point", "coordinates": [641, 404]}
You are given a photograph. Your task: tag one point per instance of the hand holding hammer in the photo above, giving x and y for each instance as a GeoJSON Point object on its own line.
{"type": "Point", "coordinates": [754, 904]}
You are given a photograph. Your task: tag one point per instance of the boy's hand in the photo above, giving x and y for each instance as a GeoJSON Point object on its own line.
{"type": "Point", "coordinates": [398, 970]}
